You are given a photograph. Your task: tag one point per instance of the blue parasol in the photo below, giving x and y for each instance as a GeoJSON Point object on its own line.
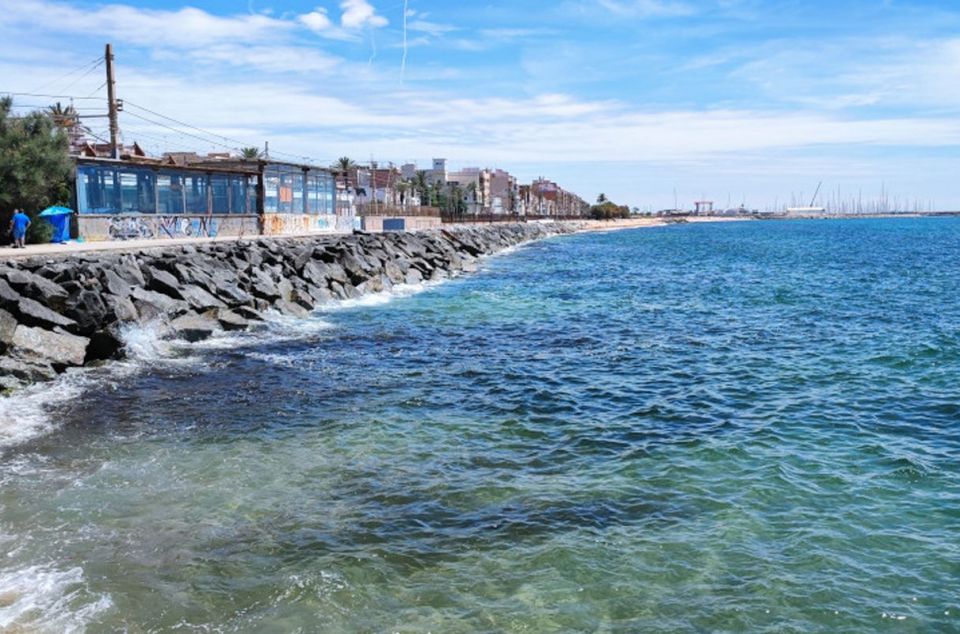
{"type": "Point", "coordinates": [58, 217]}
{"type": "Point", "coordinates": [55, 211]}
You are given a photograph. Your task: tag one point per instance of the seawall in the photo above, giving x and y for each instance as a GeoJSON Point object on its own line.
{"type": "Point", "coordinates": [69, 311]}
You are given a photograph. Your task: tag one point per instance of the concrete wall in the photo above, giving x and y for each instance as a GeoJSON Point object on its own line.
{"type": "Point", "coordinates": [150, 226]}
{"type": "Point", "coordinates": [300, 224]}
{"type": "Point", "coordinates": [375, 224]}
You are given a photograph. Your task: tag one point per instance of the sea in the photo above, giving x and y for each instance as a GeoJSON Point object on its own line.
{"type": "Point", "coordinates": [723, 427]}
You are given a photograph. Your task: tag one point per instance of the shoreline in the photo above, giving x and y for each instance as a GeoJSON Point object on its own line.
{"type": "Point", "coordinates": [65, 310]}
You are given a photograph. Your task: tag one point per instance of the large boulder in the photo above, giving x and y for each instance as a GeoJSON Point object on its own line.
{"type": "Point", "coordinates": [105, 344]}
{"type": "Point", "coordinates": [163, 282]}
{"type": "Point", "coordinates": [8, 326]}
{"type": "Point", "coordinates": [199, 299]}
{"type": "Point", "coordinates": [89, 310]}
{"type": "Point", "coordinates": [230, 320]}
{"type": "Point", "coordinates": [263, 286]}
{"type": "Point", "coordinates": [26, 370]}
{"type": "Point", "coordinates": [193, 327]}
{"type": "Point", "coordinates": [60, 349]}
{"type": "Point", "coordinates": [8, 296]}
{"type": "Point", "coordinates": [122, 308]}
{"type": "Point", "coordinates": [115, 284]}
{"type": "Point", "coordinates": [38, 288]}
{"type": "Point", "coordinates": [33, 313]}
{"type": "Point", "coordinates": [151, 305]}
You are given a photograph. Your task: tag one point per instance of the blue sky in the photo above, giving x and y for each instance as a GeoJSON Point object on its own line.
{"type": "Point", "coordinates": [733, 100]}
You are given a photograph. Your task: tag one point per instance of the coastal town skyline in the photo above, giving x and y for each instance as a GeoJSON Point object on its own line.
{"type": "Point", "coordinates": [740, 102]}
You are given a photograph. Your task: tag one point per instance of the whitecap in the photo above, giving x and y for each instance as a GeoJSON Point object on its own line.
{"type": "Point", "coordinates": [43, 599]}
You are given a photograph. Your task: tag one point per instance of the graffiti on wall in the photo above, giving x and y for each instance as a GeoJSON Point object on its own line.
{"type": "Point", "coordinates": [180, 227]}
{"type": "Point", "coordinates": [291, 224]}
{"type": "Point", "coordinates": [146, 227]}
{"type": "Point", "coordinates": [130, 228]}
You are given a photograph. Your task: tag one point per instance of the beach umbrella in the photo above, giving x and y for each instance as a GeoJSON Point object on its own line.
{"type": "Point", "coordinates": [59, 218]}
{"type": "Point", "coordinates": [55, 211]}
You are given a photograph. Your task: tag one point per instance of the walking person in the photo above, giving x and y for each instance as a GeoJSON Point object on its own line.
{"type": "Point", "coordinates": [18, 228]}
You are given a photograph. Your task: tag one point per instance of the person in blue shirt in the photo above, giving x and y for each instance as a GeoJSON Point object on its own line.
{"type": "Point", "coordinates": [18, 227]}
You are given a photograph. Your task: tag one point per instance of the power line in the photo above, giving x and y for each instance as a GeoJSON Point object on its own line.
{"type": "Point", "coordinates": [209, 135]}
{"type": "Point", "coordinates": [96, 62]}
{"type": "Point", "coordinates": [187, 134]}
{"type": "Point", "coordinates": [95, 67]}
{"type": "Point", "coordinates": [33, 94]}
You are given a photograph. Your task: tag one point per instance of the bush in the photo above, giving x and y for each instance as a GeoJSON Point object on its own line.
{"type": "Point", "coordinates": [34, 164]}
{"type": "Point", "coordinates": [39, 232]}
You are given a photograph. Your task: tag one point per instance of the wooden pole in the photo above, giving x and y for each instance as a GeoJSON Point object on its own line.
{"type": "Point", "coordinates": [112, 104]}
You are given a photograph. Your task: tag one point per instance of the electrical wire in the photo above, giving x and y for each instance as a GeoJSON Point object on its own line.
{"type": "Point", "coordinates": [34, 94]}
{"type": "Point", "coordinates": [96, 62]}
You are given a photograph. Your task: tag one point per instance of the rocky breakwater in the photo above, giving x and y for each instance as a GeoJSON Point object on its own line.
{"type": "Point", "coordinates": [71, 311]}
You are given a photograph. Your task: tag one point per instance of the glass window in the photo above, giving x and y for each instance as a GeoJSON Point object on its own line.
{"type": "Point", "coordinates": [170, 193]}
{"type": "Point", "coordinates": [221, 191]}
{"type": "Point", "coordinates": [271, 189]}
{"type": "Point", "coordinates": [196, 194]}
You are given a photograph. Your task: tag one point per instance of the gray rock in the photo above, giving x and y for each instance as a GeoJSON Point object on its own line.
{"type": "Point", "coordinates": [262, 286]}
{"type": "Point", "coordinates": [26, 370]}
{"type": "Point", "coordinates": [8, 296]}
{"type": "Point", "coordinates": [105, 344]}
{"type": "Point", "coordinates": [115, 284]}
{"type": "Point", "coordinates": [163, 282]}
{"type": "Point", "coordinates": [122, 308]}
{"type": "Point", "coordinates": [8, 326]}
{"type": "Point", "coordinates": [193, 327]}
{"type": "Point", "coordinates": [128, 269]}
{"type": "Point", "coordinates": [289, 308]}
{"type": "Point", "coordinates": [199, 299]}
{"type": "Point", "coordinates": [89, 311]}
{"type": "Point", "coordinates": [33, 313]}
{"type": "Point", "coordinates": [230, 320]}
{"type": "Point", "coordinates": [39, 288]}
{"type": "Point", "coordinates": [151, 305]}
{"type": "Point", "coordinates": [414, 276]}
{"type": "Point", "coordinates": [248, 313]}
{"type": "Point", "coordinates": [60, 349]}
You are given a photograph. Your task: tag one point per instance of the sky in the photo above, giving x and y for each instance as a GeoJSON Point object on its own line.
{"type": "Point", "coordinates": [655, 103]}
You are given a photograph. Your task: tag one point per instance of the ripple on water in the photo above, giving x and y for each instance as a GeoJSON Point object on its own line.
{"type": "Point", "coordinates": [744, 427]}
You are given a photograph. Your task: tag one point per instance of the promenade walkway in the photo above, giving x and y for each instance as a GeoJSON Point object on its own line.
{"type": "Point", "coordinates": [40, 250]}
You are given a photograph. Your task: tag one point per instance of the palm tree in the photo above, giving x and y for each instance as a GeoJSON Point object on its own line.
{"type": "Point", "coordinates": [250, 153]}
{"type": "Point", "coordinates": [602, 198]}
{"type": "Point", "coordinates": [422, 186]}
{"type": "Point", "coordinates": [68, 119]}
{"type": "Point", "coordinates": [343, 166]}
{"type": "Point", "coordinates": [402, 188]}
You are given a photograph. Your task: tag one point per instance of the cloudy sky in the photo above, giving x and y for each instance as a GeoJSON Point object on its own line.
{"type": "Point", "coordinates": [750, 101]}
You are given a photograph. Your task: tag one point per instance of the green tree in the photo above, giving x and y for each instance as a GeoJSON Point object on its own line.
{"type": "Point", "coordinates": [422, 186]}
{"type": "Point", "coordinates": [250, 153]}
{"type": "Point", "coordinates": [602, 198]}
{"type": "Point", "coordinates": [34, 164]}
{"type": "Point", "coordinates": [343, 166]}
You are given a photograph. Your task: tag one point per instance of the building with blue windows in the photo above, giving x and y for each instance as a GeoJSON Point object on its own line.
{"type": "Point", "coordinates": [138, 197]}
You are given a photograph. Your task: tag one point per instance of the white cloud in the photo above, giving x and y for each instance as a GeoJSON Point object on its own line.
{"type": "Point", "coordinates": [317, 20]}
{"type": "Point", "coordinates": [358, 14]}
{"type": "Point", "coordinates": [431, 28]}
{"type": "Point", "coordinates": [187, 27]}
{"type": "Point", "coordinates": [646, 8]}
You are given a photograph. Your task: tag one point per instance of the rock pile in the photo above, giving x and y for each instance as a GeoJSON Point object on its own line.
{"type": "Point", "coordinates": [68, 311]}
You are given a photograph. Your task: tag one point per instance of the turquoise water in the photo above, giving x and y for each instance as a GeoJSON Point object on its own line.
{"type": "Point", "coordinates": [726, 427]}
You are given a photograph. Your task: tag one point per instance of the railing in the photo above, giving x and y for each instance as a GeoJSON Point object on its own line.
{"type": "Point", "coordinates": [490, 218]}
{"type": "Point", "coordinates": [371, 209]}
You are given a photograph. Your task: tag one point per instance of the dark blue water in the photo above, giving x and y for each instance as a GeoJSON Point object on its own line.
{"type": "Point", "coordinates": [723, 427]}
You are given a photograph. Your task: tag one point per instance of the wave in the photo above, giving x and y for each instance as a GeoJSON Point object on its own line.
{"type": "Point", "coordinates": [44, 599]}
{"type": "Point", "coordinates": [31, 412]}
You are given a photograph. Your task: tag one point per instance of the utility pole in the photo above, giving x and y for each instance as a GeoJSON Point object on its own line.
{"type": "Point", "coordinates": [113, 105]}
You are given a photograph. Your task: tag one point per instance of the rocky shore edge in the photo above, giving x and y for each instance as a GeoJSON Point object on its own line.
{"type": "Point", "coordinates": [70, 311]}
